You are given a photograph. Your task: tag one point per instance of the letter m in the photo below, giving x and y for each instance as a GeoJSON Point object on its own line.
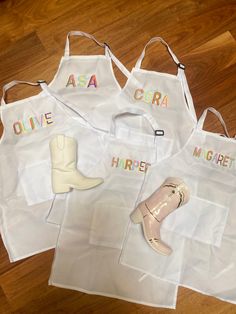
{"type": "Point", "coordinates": [197, 152]}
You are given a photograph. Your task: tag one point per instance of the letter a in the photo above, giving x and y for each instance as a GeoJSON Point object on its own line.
{"type": "Point", "coordinates": [71, 81]}
{"type": "Point", "coordinates": [92, 81]}
{"type": "Point", "coordinates": [164, 102]}
{"type": "Point", "coordinates": [156, 98]}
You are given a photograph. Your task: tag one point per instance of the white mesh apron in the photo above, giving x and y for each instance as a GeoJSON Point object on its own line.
{"type": "Point", "coordinates": [25, 170]}
{"type": "Point", "coordinates": [174, 111]}
{"type": "Point", "coordinates": [206, 164]}
{"type": "Point", "coordinates": [94, 223]}
{"type": "Point", "coordinates": [86, 81]}
{"type": "Point", "coordinates": [205, 268]}
{"type": "Point", "coordinates": [165, 96]}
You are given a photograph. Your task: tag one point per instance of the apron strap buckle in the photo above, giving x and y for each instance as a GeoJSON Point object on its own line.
{"type": "Point", "coordinates": [41, 81]}
{"type": "Point", "coordinates": [105, 44]}
{"type": "Point", "coordinates": [159, 132]}
{"type": "Point", "coordinates": [181, 66]}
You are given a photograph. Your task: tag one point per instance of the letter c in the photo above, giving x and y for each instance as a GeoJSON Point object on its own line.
{"type": "Point", "coordinates": [138, 95]}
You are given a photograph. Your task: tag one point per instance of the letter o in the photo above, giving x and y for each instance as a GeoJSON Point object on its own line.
{"type": "Point", "coordinates": [17, 128]}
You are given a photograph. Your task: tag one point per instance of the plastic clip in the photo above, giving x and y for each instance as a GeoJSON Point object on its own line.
{"type": "Point", "coordinates": [41, 81]}
{"type": "Point", "coordinates": [181, 66]}
{"type": "Point", "coordinates": [159, 133]}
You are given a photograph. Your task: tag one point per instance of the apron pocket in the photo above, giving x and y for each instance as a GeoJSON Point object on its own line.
{"type": "Point", "coordinates": [199, 220]}
{"type": "Point", "coordinates": [35, 181]}
{"type": "Point", "coordinates": [107, 234]}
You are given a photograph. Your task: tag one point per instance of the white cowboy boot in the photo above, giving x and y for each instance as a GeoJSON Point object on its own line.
{"type": "Point", "coordinates": [65, 175]}
{"type": "Point", "coordinates": [172, 194]}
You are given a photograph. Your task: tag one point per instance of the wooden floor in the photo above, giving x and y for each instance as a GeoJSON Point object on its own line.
{"type": "Point", "coordinates": [32, 36]}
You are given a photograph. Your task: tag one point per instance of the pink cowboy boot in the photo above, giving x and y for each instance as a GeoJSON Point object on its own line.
{"type": "Point", "coordinates": [172, 194]}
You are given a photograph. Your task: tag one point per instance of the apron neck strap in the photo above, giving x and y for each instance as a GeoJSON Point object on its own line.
{"type": "Point", "coordinates": [136, 112]}
{"type": "Point", "coordinates": [188, 97]}
{"type": "Point", "coordinates": [217, 114]}
{"type": "Point", "coordinates": [6, 87]}
{"type": "Point", "coordinates": [180, 75]}
{"type": "Point", "coordinates": [83, 34]}
{"type": "Point", "coordinates": [106, 47]}
{"type": "Point", "coordinates": [162, 41]}
{"type": "Point", "coordinates": [117, 62]}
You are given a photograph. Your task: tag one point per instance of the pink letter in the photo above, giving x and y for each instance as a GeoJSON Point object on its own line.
{"type": "Point", "coordinates": [92, 81]}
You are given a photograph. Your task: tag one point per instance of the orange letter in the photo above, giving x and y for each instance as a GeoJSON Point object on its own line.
{"type": "Point", "coordinates": [156, 98]}
{"type": "Point", "coordinates": [128, 164]}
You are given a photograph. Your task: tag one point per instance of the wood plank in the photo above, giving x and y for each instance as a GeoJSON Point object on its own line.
{"type": "Point", "coordinates": [4, 305]}
{"type": "Point", "coordinates": [21, 55]}
{"type": "Point", "coordinates": [32, 274]}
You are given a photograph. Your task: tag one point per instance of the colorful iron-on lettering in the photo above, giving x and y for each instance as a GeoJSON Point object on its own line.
{"type": "Point", "coordinates": [129, 164]}
{"type": "Point", "coordinates": [82, 81]}
{"type": "Point", "coordinates": [214, 157]}
{"type": "Point", "coordinates": [33, 123]}
{"type": "Point", "coordinates": [151, 97]}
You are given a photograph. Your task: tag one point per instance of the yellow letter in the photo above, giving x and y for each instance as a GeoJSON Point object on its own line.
{"type": "Point", "coordinates": [82, 80]}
